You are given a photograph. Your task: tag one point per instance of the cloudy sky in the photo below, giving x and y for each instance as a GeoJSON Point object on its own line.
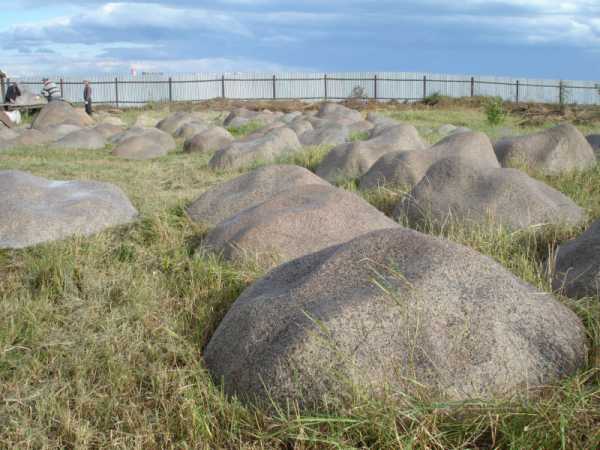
{"type": "Point", "coordinates": [526, 38]}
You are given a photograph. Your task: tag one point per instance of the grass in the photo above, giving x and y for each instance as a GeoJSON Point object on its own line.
{"type": "Point", "coordinates": [246, 129]}
{"type": "Point", "coordinates": [101, 338]}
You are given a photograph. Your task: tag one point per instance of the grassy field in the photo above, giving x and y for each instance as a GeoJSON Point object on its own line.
{"type": "Point", "coordinates": [101, 338]}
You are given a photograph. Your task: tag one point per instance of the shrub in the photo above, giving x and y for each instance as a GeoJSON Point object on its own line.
{"type": "Point", "coordinates": [494, 110]}
{"type": "Point", "coordinates": [433, 99]}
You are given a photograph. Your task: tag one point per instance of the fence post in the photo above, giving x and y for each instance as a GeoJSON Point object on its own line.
{"type": "Point", "coordinates": [375, 87]}
{"type": "Point", "coordinates": [517, 92]}
{"type": "Point", "coordinates": [170, 90]}
{"type": "Point", "coordinates": [62, 88]}
{"type": "Point", "coordinates": [274, 91]}
{"type": "Point", "coordinates": [325, 80]}
{"type": "Point", "coordinates": [117, 91]}
{"type": "Point", "coordinates": [561, 95]}
{"type": "Point", "coordinates": [424, 87]}
{"type": "Point", "coordinates": [472, 86]}
{"type": "Point", "coordinates": [223, 86]}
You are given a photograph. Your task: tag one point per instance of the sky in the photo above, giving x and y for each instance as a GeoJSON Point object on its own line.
{"type": "Point", "coordinates": [521, 38]}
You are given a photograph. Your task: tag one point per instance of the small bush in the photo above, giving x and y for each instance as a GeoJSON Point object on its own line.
{"type": "Point", "coordinates": [494, 111]}
{"type": "Point", "coordinates": [433, 99]}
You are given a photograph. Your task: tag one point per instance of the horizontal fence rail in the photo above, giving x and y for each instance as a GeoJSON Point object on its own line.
{"type": "Point", "coordinates": [132, 90]}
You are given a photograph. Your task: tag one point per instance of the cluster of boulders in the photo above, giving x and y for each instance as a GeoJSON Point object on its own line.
{"type": "Point", "coordinates": [353, 301]}
{"type": "Point", "coordinates": [59, 125]}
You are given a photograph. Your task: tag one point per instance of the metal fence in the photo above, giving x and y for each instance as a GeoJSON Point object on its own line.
{"type": "Point", "coordinates": [131, 90]}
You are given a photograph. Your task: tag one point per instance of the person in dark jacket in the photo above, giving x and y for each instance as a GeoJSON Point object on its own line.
{"type": "Point", "coordinates": [12, 93]}
{"type": "Point", "coordinates": [50, 90]}
{"type": "Point", "coordinates": [87, 97]}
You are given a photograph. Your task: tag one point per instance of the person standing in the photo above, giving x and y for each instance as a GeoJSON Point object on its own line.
{"type": "Point", "coordinates": [87, 97]}
{"type": "Point", "coordinates": [50, 90]}
{"type": "Point", "coordinates": [12, 93]}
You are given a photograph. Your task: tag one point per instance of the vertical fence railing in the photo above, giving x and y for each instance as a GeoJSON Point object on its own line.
{"type": "Point", "coordinates": [378, 87]}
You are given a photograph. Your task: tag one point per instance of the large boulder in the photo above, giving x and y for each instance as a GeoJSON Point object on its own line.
{"type": "Point", "coordinates": [31, 137]}
{"type": "Point", "coordinates": [332, 134]}
{"type": "Point", "coordinates": [406, 168]}
{"type": "Point", "coordinates": [108, 130]}
{"type": "Point", "coordinates": [174, 121]}
{"type": "Point", "coordinates": [355, 158]}
{"type": "Point", "coordinates": [380, 120]}
{"type": "Point", "coordinates": [62, 130]}
{"type": "Point", "coordinates": [28, 98]}
{"type": "Point", "coordinates": [35, 210]}
{"type": "Point", "coordinates": [392, 313]}
{"type": "Point", "coordinates": [7, 134]}
{"type": "Point", "coordinates": [338, 113]}
{"type": "Point", "coordinates": [190, 129]}
{"type": "Point", "coordinates": [57, 113]}
{"type": "Point", "coordinates": [266, 148]}
{"type": "Point", "coordinates": [290, 117]}
{"type": "Point", "coordinates": [214, 138]}
{"type": "Point", "coordinates": [139, 148]}
{"type": "Point", "coordinates": [248, 190]}
{"type": "Point", "coordinates": [112, 120]}
{"type": "Point", "coordinates": [577, 265]}
{"type": "Point", "coordinates": [554, 151]}
{"type": "Point", "coordinates": [294, 223]}
{"type": "Point", "coordinates": [242, 116]}
{"type": "Point", "coordinates": [162, 139]}
{"type": "Point", "coordinates": [300, 126]}
{"type": "Point", "coordinates": [454, 190]}
{"type": "Point", "coordinates": [86, 139]}
{"type": "Point", "coordinates": [594, 141]}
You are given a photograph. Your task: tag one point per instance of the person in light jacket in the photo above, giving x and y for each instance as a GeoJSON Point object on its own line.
{"type": "Point", "coordinates": [50, 90]}
{"type": "Point", "coordinates": [87, 97]}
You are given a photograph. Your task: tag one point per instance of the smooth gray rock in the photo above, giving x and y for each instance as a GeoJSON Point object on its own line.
{"type": "Point", "coordinates": [30, 137]}
{"type": "Point", "coordinates": [7, 134]}
{"type": "Point", "coordinates": [407, 168]}
{"type": "Point", "coordinates": [211, 139]}
{"type": "Point", "coordinates": [28, 98]}
{"type": "Point", "coordinates": [453, 190]}
{"type": "Point", "coordinates": [294, 223]}
{"type": "Point", "coordinates": [554, 151]}
{"type": "Point", "coordinates": [381, 120]}
{"type": "Point", "coordinates": [362, 126]}
{"type": "Point", "coordinates": [392, 313]}
{"type": "Point", "coordinates": [35, 210]}
{"type": "Point", "coordinates": [594, 141]}
{"type": "Point", "coordinates": [108, 130]}
{"type": "Point", "coordinates": [242, 116]}
{"type": "Point", "coordinates": [174, 121]}
{"type": "Point", "coordinates": [290, 117]}
{"type": "Point", "coordinates": [266, 148]}
{"type": "Point", "coordinates": [60, 131]}
{"type": "Point", "coordinates": [250, 189]}
{"type": "Point", "coordinates": [190, 129]}
{"type": "Point", "coordinates": [577, 266]}
{"type": "Point", "coordinates": [338, 113]}
{"type": "Point", "coordinates": [86, 139]}
{"type": "Point", "coordinates": [301, 126]}
{"type": "Point", "coordinates": [328, 135]}
{"type": "Point", "coordinates": [355, 158]}
{"type": "Point", "coordinates": [139, 148]}
{"type": "Point", "coordinates": [60, 112]}
{"type": "Point", "coordinates": [164, 140]}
